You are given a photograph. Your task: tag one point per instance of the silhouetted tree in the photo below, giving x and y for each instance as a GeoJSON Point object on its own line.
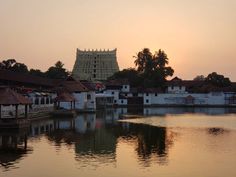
{"type": "Point", "coordinates": [12, 65]}
{"type": "Point", "coordinates": [37, 72]}
{"type": "Point", "coordinates": [144, 61]}
{"type": "Point", "coordinates": [218, 80]}
{"type": "Point", "coordinates": [57, 71]}
{"type": "Point", "coordinates": [152, 68]}
{"type": "Point", "coordinates": [161, 59]}
{"type": "Point", "coordinates": [199, 78]}
{"type": "Point", "coordinates": [130, 74]}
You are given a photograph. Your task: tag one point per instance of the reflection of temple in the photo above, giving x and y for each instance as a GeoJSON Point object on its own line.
{"type": "Point", "coordinates": [97, 135]}
{"type": "Point", "coordinates": [13, 147]}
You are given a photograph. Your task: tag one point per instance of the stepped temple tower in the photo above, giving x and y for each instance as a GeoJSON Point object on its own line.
{"type": "Point", "coordinates": [95, 65]}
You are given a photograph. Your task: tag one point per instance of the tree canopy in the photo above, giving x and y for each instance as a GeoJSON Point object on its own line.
{"type": "Point", "coordinates": [151, 69]}
{"type": "Point", "coordinates": [57, 71]}
{"type": "Point", "coordinates": [218, 80]}
{"type": "Point", "coordinates": [54, 72]}
{"type": "Point", "coordinates": [12, 65]}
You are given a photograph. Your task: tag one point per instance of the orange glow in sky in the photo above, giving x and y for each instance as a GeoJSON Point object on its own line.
{"type": "Point", "coordinates": [199, 37]}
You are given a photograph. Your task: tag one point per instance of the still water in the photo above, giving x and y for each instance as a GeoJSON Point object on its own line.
{"type": "Point", "coordinates": [149, 142]}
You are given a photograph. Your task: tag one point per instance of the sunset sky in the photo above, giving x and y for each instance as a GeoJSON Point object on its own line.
{"type": "Point", "coordinates": [199, 37]}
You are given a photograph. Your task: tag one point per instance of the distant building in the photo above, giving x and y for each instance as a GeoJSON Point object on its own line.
{"type": "Point", "coordinates": [95, 65]}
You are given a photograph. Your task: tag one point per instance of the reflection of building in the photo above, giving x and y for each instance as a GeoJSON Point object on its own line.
{"type": "Point", "coordinates": [41, 126]}
{"type": "Point", "coordinates": [182, 110]}
{"type": "Point", "coordinates": [95, 65]}
{"type": "Point", "coordinates": [85, 123]}
{"type": "Point", "coordinates": [13, 146]}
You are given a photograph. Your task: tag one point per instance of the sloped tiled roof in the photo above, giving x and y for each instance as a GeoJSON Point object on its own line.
{"type": "Point", "coordinates": [73, 86]}
{"type": "Point", "coordinates": [10, 97]}
{"type": "Point", "coordinates": [65, 97]}
{"type": "Point", "coordinates": [23, 78]}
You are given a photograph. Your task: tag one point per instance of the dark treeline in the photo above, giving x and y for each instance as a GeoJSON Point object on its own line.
{"type": "Point", "coordinates": [54, 72]}
{"type": "Point", "coordinates": [152, 70]}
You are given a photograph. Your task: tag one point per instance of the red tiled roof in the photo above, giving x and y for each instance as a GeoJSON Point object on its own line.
{"type": "Point", "coordinates": [89, 85]}
{"type": "Point", "coordinates": [73, 86]}
{"type": "Point", "coordinates": [10, 97]}
{"type": "Point", "coordinates": [65, 97]}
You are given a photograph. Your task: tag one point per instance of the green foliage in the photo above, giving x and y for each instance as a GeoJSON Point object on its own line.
{"type": "Point", "coordinates": [57, 71]}
{"type": "Point", "coordinates": [218, 80]}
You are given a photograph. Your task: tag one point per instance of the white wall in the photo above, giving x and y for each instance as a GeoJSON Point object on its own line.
{"type": "Point", "coordinates": [114, 93]}
{"type": "Point", "coordinates": [85, 122]}
{"type": "Point", "coordinates": [81, 100]}
{"type": "Point", "coordinates": [176, 89]}
{"type": "Point", "coordinates": [125, 88]}
{"type": "Point", "coordinates": [178, 99]}
{"type": "Point", "coordinates": [80, 103]}
{"type": "Point", "coordinates": [91, 103]}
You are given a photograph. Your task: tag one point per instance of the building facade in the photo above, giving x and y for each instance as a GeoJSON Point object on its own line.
{"type": "Point", "coordinates": [95, 65]}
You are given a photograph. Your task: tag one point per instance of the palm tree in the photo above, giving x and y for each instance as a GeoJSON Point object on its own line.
{"type": "Point", "coordinates": [144, 60]}
{"type": "Point", "coordinates": [161, 58]}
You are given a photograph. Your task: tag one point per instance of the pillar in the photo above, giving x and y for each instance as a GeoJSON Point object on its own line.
{"type": "Point", "coordinates": [16, 116]}
{"type": "Point", "coordinates": [26, 111]}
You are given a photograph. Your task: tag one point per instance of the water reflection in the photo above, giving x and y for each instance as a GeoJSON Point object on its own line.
{"type": "Point", "coordinates": [217, 131]}
{"type": "Point", "coordinates": [92, 141]}
{"type": "Point", "coordinates": [150, 142]}
{"type": "Point", "coordinates": [13, 147]}
{"type": "Point", "coordinates": [179, 110]}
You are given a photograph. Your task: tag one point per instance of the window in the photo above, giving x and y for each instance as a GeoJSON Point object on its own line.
{"type": "Point", "coordinates": [42, 101]}
{"type": "Point", "coordinates": [47, 100]}
{"type": "Point", "coordinates": [51, 100]}
{"type": "Point", "coordinates": [155, 94]}
{"type": "Point", "coordinates": [115, 101]}
{"type": "Point", "coordinates": [94, 76]}
{"type": "Point", "coordinates": [180, 87]}
{"type": "Point", "coordinates": [122, 101]}
{"type": "Point", "coordinates": [36, 101]}
{"type": "Point", "coordinates": [172, 87]}
{"type": "Point", "coordinates": [126, 94]}
{"type": "Point", "coordinates": [88, 97]}
{"type": "Point", "coordinates": [112, 93]}
{"type": "Point", "coordinates": [147, 101]}
{"type": "Point", "coordinates": [125, 86]}
{"type": "Point", "coordinates": [147, 94]}
{"type": "Point", "coordinates": [94, 70]}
